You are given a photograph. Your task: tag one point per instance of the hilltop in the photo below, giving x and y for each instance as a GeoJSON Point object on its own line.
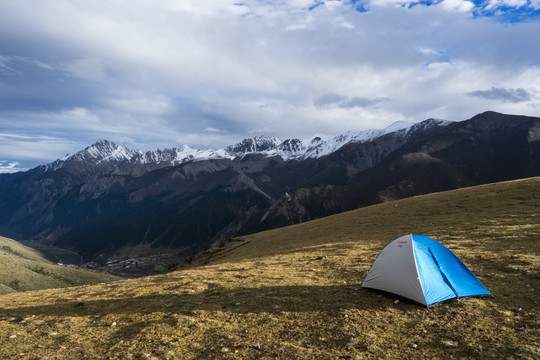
{"type": "Point", "coordinates": [24, 269]}
{"type": "Point", "coordinates": [295, 292]}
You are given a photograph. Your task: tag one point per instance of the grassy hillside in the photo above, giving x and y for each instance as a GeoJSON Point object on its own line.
{"type": "Point", "coordinates": [295, 293]}
{"type": "Point", "coordinates": [23, 268]}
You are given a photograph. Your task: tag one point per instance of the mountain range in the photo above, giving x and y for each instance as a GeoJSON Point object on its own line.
{"type": "Point", "coordinates": [290, 149]}
{"type": "Point", "coordinates": [110, 204]}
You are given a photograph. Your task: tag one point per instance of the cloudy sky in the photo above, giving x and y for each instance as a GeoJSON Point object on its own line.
{"type": "Point", "coordinates": [155, 74]}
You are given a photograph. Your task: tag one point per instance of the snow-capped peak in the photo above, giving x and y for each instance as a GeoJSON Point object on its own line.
{"type": "Point", "coordinates": [104, 150]}
{"type": "Point", "coordinates": [255, 144]}
{"type": "Point", "coordinates": [398, 125]}
{"type": "Point", "coordinates": [430, 123]}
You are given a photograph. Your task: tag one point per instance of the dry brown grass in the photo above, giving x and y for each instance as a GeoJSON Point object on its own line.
{"type": "Point", "coordinates": [268, 295]}
{"type": "Point", "coordinates": [23, 269]}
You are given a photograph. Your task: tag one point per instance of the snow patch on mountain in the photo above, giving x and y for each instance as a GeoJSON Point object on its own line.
{"type": "Point", "coordinates": [325, 148]}
{"type": "Point", "coordinates": [398, 125]}
{"type": "Point", "coordinates": [314, 147]}
{"type": "Point", "coordinates": [259, 144]}
{"type": "Point", "coordinates": [180, 155]}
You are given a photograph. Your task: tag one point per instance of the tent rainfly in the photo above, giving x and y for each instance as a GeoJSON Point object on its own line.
{"type": "Point", "coordinates": [420, 269]}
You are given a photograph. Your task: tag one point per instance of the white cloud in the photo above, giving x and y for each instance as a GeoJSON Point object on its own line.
{"type": "Point", "coordinates": [143, 104]}
{"type": "Point", "coordinates": [457, 5]}
{"type": "Point", "coordinates": [263, 130]}
{"type": "Point", "coordinates": [392, 2]}
{"type": "Point", "coordinates": [294, 27]}
{"type": "Point", "coordinates": [7, 167]}
{"type": "Point", "coordinates": [32, 150]}
{"type": "Point", "coordinates": [428, 51]}
{"type": "Point", "coordinates": [214, 130]}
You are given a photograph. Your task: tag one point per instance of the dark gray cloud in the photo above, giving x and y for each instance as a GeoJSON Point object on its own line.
{"type": "Point", "coordinates": [29, 84]}
{"type": "Point", "coordinates": [363, 102]}
{"type": "Point", "coordinates": [342, 101]}
{"type": "Point", "coordinates": [502, 94]}
{"type": "Point", "coordinates": [331, 99]}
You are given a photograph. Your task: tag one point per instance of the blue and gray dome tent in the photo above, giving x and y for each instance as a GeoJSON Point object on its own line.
{"type": "Point", "coordinates": [420, 269]}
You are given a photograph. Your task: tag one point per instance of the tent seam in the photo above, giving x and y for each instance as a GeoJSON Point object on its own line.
{"type": "Point", "coordinates": [416, 267]}
{"type": "Point", "coordinates": [445, 279]}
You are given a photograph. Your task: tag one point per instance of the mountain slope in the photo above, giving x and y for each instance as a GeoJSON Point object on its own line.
{"type": "Point", "coordinates": [295, 292]}
{"type": "Point", "coordinates": [488, 148]}
{"type": "Point", "coordinates": [24, 269]}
